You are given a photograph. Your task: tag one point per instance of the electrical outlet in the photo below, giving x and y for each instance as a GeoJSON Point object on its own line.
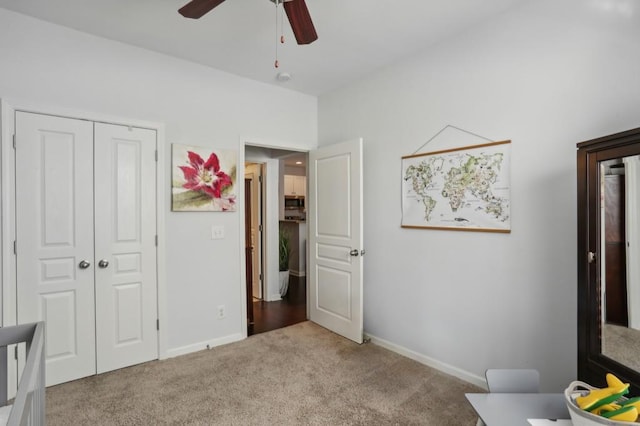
{"type": "Point", "coordinates": [221, 312]}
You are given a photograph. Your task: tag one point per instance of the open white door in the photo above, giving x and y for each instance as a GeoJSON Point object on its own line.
{"type": "Point", "coordinates": [335, 238]}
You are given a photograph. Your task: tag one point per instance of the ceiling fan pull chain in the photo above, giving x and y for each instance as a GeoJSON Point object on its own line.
{"type": "Point", "coordinates": [276, 64]}
{"type": "Point", "coordinates": [281, 24]}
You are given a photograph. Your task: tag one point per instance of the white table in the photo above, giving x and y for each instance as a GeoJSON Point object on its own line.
{"type": "Point", "coordinates": [513, 409]}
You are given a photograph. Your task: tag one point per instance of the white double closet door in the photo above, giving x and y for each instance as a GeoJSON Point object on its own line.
{"type": "Point", "coordinates": [86, 242]}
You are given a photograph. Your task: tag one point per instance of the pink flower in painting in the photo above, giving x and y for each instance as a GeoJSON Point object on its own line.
{"type": "Point", "coordinates": [225, 203]}
{"type": "Point", "coordinates": [205, 177]}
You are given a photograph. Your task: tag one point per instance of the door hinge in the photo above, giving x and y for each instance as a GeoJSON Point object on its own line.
{"type": "Point", "coordinates": [156, 154]}
{"type": "Point", "coordinates": [156, 241]}
{"type": "Point", "coordinates": [260, 179]}
{"type": "Point", "coordinates": [14, 141]}
{"type": "Point", "coordinates": [15, 352]}
{"type": "Point", "coordinates": [15, 247]}
{"type": "Point", "coordinates": [158, 324]}
{"type": "Point", "coordinates": [260, 228]}
{"type": "Point", "coordinates": [260, 277]}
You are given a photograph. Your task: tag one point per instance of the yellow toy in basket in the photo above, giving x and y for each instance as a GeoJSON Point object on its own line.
{"type": "Point", "coordinates": [598, 397]}
{"type": "Point", "coordinates": [608, 402]}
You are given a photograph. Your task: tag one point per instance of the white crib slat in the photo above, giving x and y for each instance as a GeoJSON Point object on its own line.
{"type": "Point", "coordinates": [4, 414]}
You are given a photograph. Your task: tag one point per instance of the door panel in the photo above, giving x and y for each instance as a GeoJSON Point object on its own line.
{"type": "Point", "coordinates": [256, 268]}
{"type": "Point", "coordinates": [335, 221]}
{"type": "Point", "coordinates": [126, 289]}
{"type": "Point", "coordinates": [54, 232]}
{"type": "Point", "coordinates": [334, 296]}
{"type": "Point", "coordinates": [248, 252]}
{"type": "Point", "coordinates": [251, 245]}
{"type": "Point", "coordinates": [59, 313]}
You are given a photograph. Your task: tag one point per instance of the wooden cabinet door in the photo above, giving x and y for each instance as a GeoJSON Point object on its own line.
{"type": "Point", "coordinates": [289, 185]}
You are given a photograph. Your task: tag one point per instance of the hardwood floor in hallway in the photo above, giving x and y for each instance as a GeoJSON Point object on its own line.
{"type": "Point", "coordinates": [292, 309]}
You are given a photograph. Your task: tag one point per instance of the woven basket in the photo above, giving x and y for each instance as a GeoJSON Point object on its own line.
{"type": "Point", "coordinates": [580, 417]}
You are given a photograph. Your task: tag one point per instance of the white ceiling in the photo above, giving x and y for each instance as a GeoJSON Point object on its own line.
{"type": "Point", "coordinates": [239, 36]}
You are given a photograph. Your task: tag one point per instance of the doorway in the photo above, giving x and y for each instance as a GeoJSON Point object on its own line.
{"type": "Point", "coordinates": [268, 306]}
{"type": "Point", "coordinates": [334, 250]}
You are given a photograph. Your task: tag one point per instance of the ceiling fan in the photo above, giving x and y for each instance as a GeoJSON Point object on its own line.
{"type": "Point", "coordinates": [296, 10]}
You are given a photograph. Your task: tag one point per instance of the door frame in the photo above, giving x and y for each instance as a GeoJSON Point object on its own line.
{"type": "Point", "coordinates": [8, 107]}
{"type": "Point", "coordinates": [270, 220]}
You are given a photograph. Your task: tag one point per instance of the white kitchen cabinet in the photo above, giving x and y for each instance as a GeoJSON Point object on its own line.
{"type": "Point", "coordinates": [295, 185]}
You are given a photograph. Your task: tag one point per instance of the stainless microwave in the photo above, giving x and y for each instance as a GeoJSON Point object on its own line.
{"type": "Point", "coordinates": [294, 202]}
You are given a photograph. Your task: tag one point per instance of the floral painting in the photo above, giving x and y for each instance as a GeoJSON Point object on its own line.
{"type": "Point", "coordinates": [203, 179]}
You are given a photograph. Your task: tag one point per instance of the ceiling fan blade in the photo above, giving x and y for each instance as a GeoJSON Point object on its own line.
{"type": "Point", "coordinates": [300, 21]}
{"type": "Point", "coordinates": [198, 8]}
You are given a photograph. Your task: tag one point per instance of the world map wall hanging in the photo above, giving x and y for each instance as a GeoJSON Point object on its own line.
{"type": "Point", "coordinates": [465, 189]}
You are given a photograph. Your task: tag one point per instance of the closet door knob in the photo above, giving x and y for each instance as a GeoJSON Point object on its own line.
{"type": "Point", "coordinates": [83, 264]}
{"type": "Point", "coordinates": [103, 263]}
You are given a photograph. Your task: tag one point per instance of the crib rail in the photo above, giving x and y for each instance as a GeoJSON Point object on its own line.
{"type": "Point", "coordinates": [29, 404]}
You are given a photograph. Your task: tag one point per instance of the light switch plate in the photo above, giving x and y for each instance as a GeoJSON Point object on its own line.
{"type": "Point", "coordinates": [217, 232]}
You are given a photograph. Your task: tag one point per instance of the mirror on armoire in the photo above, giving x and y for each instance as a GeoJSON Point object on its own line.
{"type": "Point", "coordinates": [609, 258]}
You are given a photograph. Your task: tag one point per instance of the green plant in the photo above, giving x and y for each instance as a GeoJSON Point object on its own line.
{"type": "Point", "coordinates": [285, 250]}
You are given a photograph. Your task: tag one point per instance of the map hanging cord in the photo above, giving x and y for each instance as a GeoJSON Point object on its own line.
{"type": "Point", "coordinates": [453, 127]}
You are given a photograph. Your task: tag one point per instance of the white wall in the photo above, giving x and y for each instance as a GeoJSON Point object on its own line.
{"type": "Point", "coordinates": [546, 75]}
{"type": "Point", "coordinates": [51, 65]}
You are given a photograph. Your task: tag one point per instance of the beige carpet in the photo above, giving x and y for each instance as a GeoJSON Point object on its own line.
{"type": "Point", "coordinates": [622, 344]}
{"type": "Point", "coordinates": [299, 375]}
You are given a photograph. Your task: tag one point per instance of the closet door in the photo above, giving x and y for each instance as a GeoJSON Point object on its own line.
{"type": "Point", "coordinates": [125, 207]}
{"type": "Point", "coordinates": [54, 238]}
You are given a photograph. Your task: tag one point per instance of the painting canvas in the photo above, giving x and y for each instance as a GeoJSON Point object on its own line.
{"type": "Point", "coordinates": [463, 189]}
{"type": "Point", "coordinates": [203, 179]}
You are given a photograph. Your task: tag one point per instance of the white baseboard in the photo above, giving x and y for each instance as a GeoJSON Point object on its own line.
{"type": "Point", "coordinates": [183, 350]}
{"type": "Point", "coordinates": [434, 363]}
